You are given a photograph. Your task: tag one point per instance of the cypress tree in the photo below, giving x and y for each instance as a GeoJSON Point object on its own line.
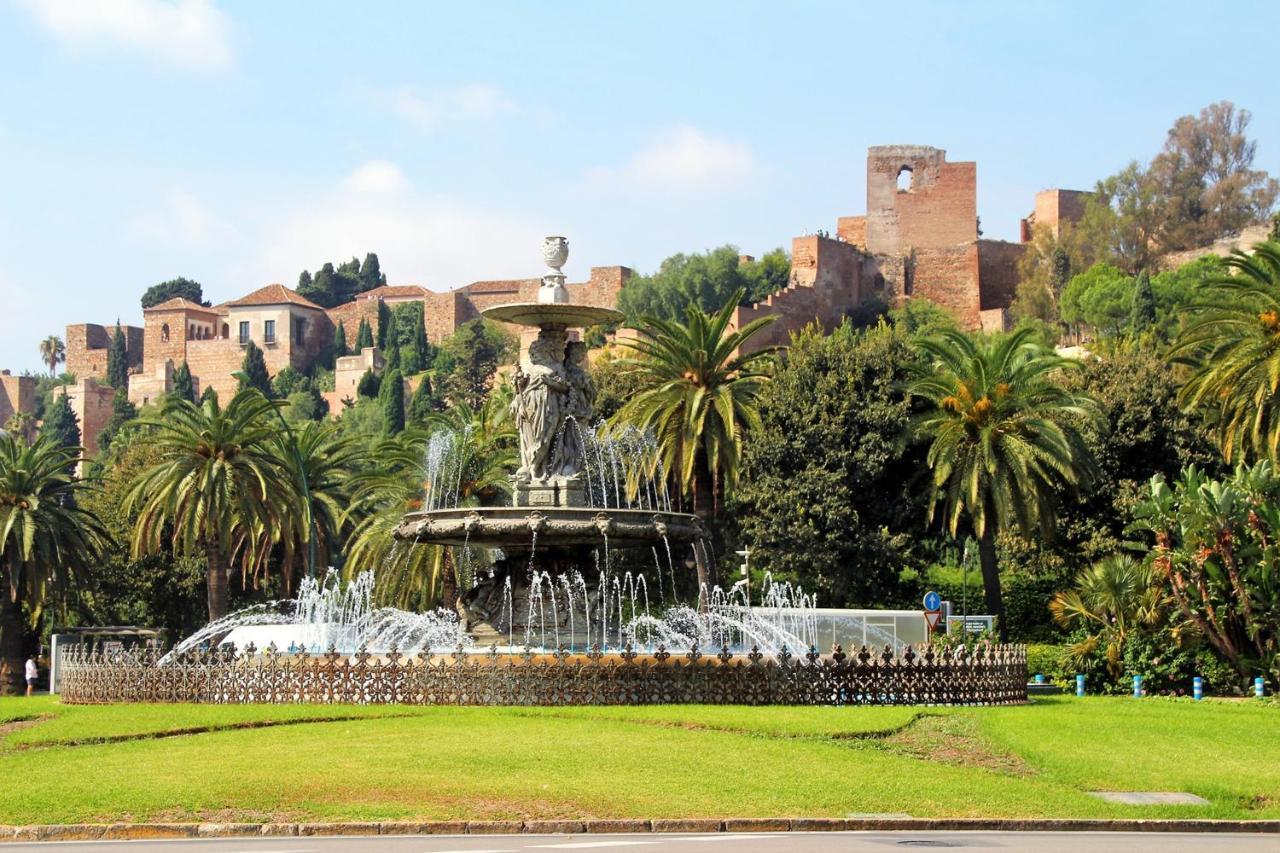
{"type": "Point", "coordinates": [371, 274]}
{"type": "Point", "coordinates": [1143, 313]}
{"type": "Point", "coordinates": [183, 386]}
{"type": "Point", "coordinates": [254, 368]}
{"type": "Point", "coordinates": [415, 352]}
{"type": "Point", "coordinates": [369, 385]}
{"type": "Point", "coordinates": [391, 398]}
{"type": "Point", "coordinates": [209, 394]}
{"type": "Point", "coordinates": [61, 423]}
{"type": "Point", "coordinates": [423, 404]}
{"type": "Point", "coordinates": [364, 336]}
{"type": "Point", "coordinates": [385, 322]}
{"type": "Point", "coordinates": [117, 361]}
{"type": "Point", "coordinates": [122, 411]}
{"type": "Point", "coordinates": [340, 342]}
{"type": "Point", "coordinates": [391, 345]}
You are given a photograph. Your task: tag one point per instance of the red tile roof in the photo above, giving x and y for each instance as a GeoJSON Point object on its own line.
{"type": "Point", "coordinates": [394, 291]}
{"type": "Point", "coordinates": [273, 294]}
{"type": "Point", "coordinates": [177, 303]}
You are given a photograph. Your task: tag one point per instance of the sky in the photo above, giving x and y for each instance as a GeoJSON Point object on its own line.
{"type": "Point", "coordinates": [238, 143]}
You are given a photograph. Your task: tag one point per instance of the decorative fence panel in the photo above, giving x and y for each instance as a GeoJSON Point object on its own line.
{"type": "Point", "coordinates": [980, 675]}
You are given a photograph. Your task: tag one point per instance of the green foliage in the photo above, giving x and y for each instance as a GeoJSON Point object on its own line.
{"type": "Point", "coordinates": [53, 352]}
{"type": "Point", "coordinates": [467, 360]}
{"type": "Point", "coordinates": [424, 403]}
{"type": "Point", "coordinates": [707, 281]}
{"type": "Point", "coordinates": [332, 285]}
{"type": "Point", "coordinates": [384, 323]}
{"type": "Point", "coordinates": [1101, 296]}
{"type": "Point", "coordinates": [1111, 600]}
{"type": "Point", "coordinates": [254, 370]}
{"type": "Point", "coordinates": [391, 400]}
{"type": "Point", "coordinates": [1142, 313]}
{"type": "Point", "coordinates": [180, 287]}
{"type": "Point", "coordinates": [391, 344]}
{"type": "Point", "coordinates": [922, 317]}
{"type": "Point", "coordinates": [698, 396]}
{"type": "Point", "coordinates": [340, 347]}
{"type": "Point", "coordinates": [122, 412]}
{"type": "Point", "coordinates": [183, 385]}
{"type": "Point", "coordinates": [1215, 553]}
{"type": "Point", "coordinates": [364, 336]}
{"type": "Point", "coordinates": [61, 426]}
{"type": "Point", "coordinates": [304, 405]}
{"type": "Point", "coordinates": [614, 385]}
{"type": "Point", "coordinates": [117, 361]}
{"type": "Point", "coordinates": [827, 491]}
{"type": "Point", "coordinates": [369, 385]}
{"type": "Point", "coordinates": [1229, 343]}
{"type": "Point", "coordinates": [869, 312]}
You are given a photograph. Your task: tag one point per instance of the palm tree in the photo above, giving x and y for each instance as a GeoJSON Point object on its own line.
{"type": "Point", "coordinates": [217, 487]}
{"type": "Point", "coordinates": [1231, 342]}
{"type": "Point", "coordinates": [52, 352]}
{"type": "Point", "coordinates": [1111, 599]}
{"type": "Point", "coordinates": [480, 445]}
{"type": "Point", "coordinates": [1003, 438]}
{"type": "Point", "coordinates": [698, 396]}
{"type": "Point", "coordinates": [329, 461]}
{"type": "Point", "coordinates": [46, 539]}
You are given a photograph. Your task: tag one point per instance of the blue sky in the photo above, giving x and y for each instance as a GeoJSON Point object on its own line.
{"type": "Point", "coordinates": [237, 143]}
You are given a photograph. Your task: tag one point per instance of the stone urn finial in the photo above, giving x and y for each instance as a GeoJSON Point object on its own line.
{"type": "Point", "coordinates": [555, 251]}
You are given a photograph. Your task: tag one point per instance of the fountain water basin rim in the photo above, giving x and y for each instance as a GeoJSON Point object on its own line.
{"type": "Point", "coordinates": [512, 528]}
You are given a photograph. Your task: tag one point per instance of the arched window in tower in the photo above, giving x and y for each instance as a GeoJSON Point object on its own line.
{"type": "Point", "coordinates": [904, 179]}
{"type": "Point", "coordinates": [226, 330]}
{"type": "Point", "coordinates": [164, 333]}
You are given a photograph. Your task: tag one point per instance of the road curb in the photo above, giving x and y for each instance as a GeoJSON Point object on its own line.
{"type": "Point", "coordinates": [141, 831]}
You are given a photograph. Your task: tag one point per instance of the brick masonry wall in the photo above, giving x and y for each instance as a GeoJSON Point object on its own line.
{"type": "Point", "coordinates": [212, 362]}
{"type": "Point", "coordinates": [940, 209]}
{"type": "Point", "coordinates": [852, 229]}
{"type": "Point", "coordinates": [87, 345]}
{"type": "Point", "coordinates": [92, 403]}
{"type": "Point", "coordinates": [17, 394]}
{"type": "Point", "coordinates": [948, 277]}
{"type": "Point", "coordinates": [998, 272]}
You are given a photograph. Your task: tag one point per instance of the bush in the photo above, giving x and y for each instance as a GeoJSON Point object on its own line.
{"type": "Point", "coordinates": [1051, 661]}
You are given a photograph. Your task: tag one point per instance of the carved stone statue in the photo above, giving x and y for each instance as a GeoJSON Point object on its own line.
{"type": "Point", "coordinates": [579, 408]}
{"type": "Point", "coordinates": [539, 406]}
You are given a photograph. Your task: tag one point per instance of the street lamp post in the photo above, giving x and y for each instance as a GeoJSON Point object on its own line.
{"type": "Point", "coordinates": [302, 474]}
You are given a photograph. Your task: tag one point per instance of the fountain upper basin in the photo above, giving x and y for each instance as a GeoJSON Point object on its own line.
{"type": "Point", "coordinates": [561, 314]}
{"type": "Point", "coordinates": [512, 528]}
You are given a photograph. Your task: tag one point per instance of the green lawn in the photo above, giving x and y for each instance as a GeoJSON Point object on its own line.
{"type": "Point", "coordinates": [74, 764]}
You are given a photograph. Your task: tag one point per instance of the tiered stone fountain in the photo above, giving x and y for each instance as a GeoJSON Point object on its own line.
{"type": "Point", "coordinates": [559, 514]}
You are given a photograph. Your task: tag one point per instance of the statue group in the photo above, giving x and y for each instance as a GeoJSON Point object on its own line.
{"type": "Point", "coordinates": [554, 401]}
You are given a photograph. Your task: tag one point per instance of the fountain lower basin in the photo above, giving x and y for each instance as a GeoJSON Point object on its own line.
{"type": "Point", "coordinates": [514, 528]}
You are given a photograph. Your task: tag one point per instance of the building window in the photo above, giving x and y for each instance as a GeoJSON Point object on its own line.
{"type": "Point", "coordinates": [244, 332]}
{"type": "Point", "coordinates": [299, 325]}
{"type": "Point", "coordinates": [269, 331]}
{"type": "Point", "coordinates": [164, 333]}
{"type": "Point", "coordinates": [905, 178]}
{"type": "Point", "coordinates": [226, 330]}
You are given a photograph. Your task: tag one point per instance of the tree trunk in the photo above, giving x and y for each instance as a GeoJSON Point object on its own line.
{"type": "Point", "coordinates": [216, 580]}
{"type": "Point", "coordinates": [991, 580]}
{"type": "Point", "coordinates": [703, 485]}
{"type": "Point", "coordinates": [11, 642]}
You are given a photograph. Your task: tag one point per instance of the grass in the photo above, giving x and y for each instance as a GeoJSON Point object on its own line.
{"type": "Point", "coordinates": [183, 762]}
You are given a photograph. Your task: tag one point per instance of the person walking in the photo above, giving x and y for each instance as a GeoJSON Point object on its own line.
{"type": "Point", "coordinates": [32, 673]}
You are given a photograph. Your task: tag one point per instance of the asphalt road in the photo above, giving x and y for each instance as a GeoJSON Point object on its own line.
{"type": "Point", "coordinates": [816, 842]}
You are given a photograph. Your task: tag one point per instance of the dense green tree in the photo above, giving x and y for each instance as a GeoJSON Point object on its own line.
{"type": "Point", "coordinates": [1101, 296]}
{"type": "Point", "coordinates": [1003, 438]}
{"type": "Point", "coordinates": [384, 323]}
{"type": "Point", "coordinates": [1112, 599]}
{"type": "Point", "coordinates": [424, 403]}
{"type": "Point", "coordinates": [706, 280]}
{"type": "Point", "coordinates": [288, 381]}
{"type": "Point", "coordinates": [468, 359]}
{"type": "Point", "coordinates": [208, 394]}
{"type": "Point", "coordinates": [1142, 313]}
{"type": "Point", "coordinates": [391, 399]}
{"type": "Point", "coordinates": [180, 287]}
{"type": "Point", "coordinates": [391, 345]}
{"type": "Point", "coordinates": [53, 352]}
{"type": "Point", "coordinates": [828, 492]}
{"type": "Point", "coordinates": [48, 541]}
{"type": "Point", "coordinates": [118, 361]}
{"type": "Point", "coordinates": [416, 351]}
{"type": "Point", "coordinates": [331, 285]}
{"type": "Point", "coordinates": [364, 336]}
{"type": "Point", "coordinates": [698, 395]}
{"type": "Point", "coordinates": [61, 426]}
{"type": "Point", "coordinates": [1231, 343]}
{"type": "Point", "coordinates": [614, 386]}
{"type": "Point", "coordinates": [922, 317]}
{"type": "Point", "coordinates": [340, 348]}
{"type": "Point", "coordinates": [183, 384]}
{"type": "Point", "coordinates": [369, 385]}
{"type": "Point", "coordinates": [371, 274]}
{"type": "Point", "coordinates": [217, 486]}
{"type": "Point", "coordinates": [122, 412]}
{"type": "Point", "coordinates": [254, 371]}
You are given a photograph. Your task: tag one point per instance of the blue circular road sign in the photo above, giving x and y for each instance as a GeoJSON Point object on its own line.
{"type": "Point", "coordinates": [932, 601]}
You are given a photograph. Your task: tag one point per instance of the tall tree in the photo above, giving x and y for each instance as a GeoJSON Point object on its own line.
{"type": "Point", "coordinates": [118, 361]}
{"type": "Point", "coordinates": [61, 426]}
{"type": "Point", "coordinates": [698, 395]}
{"type": "Point", "coordinates": [174, 287]}
{"type": "Point", "coordinates": [1003, 437]}
{"type": "Point", "coordinates": [423, 403]}
{"type": "Point", "coordinates": [391, 399]}
{"type": "Point", "coordinates": [183, 385]}
{"type": "Point", "coordinates": [340, 348]}
{"type": "Point", "coordinates": [708, 281]}
{"type": "Point", "coordinates": [385, 323]}
{"type": "Point", "coordinates": [364, 336]}
{"type": "Point", "coordinates": [48, 542]}
{"type": "Point", "coordinates": [469, 358]}
{"type": "Point", "coordinates": [122, 412]}
{"type": "Point", "coordinates": [53, 352]}
{"type": "Point", "coordinates": [215, 487]}
{"type": "Point", "coordinates": [1142, 314]}
{"type": "Point", "coordinates": [1231, 342]}
{"type": "Point", "coordinates": [391, 344]}
{"type": "Point", "coordinates": [254, 368]}
{"type": "Point", "coordinates": [371, 274]}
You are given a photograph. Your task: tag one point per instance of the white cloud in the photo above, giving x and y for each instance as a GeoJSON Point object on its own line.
{"type": "Point", "coordinates": [184, 220]}
{"type": "Point", "coordinates": [681, 158]}
{"type": "Point", "coordinates": [444, 109]}
{"type": "Point", "coordinates": [191, 33]}
{"type": "Point", "coordinates": [420, 237]}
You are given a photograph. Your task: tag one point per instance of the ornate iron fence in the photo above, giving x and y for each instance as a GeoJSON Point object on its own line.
{"type": "Point", "coordinates": [980, 675]}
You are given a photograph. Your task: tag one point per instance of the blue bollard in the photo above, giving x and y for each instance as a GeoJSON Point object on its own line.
{"type": "Point", "coordinates": [1259, 687]}
{"type": "Point", "coordinates": [1040, 679]}
{"type": "Point", "coordinates": [1197, 687]}
{"type": "Point", "coordinates": [1079, 685]}
{"type": "Point", "coordinates": [1137, 687]}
